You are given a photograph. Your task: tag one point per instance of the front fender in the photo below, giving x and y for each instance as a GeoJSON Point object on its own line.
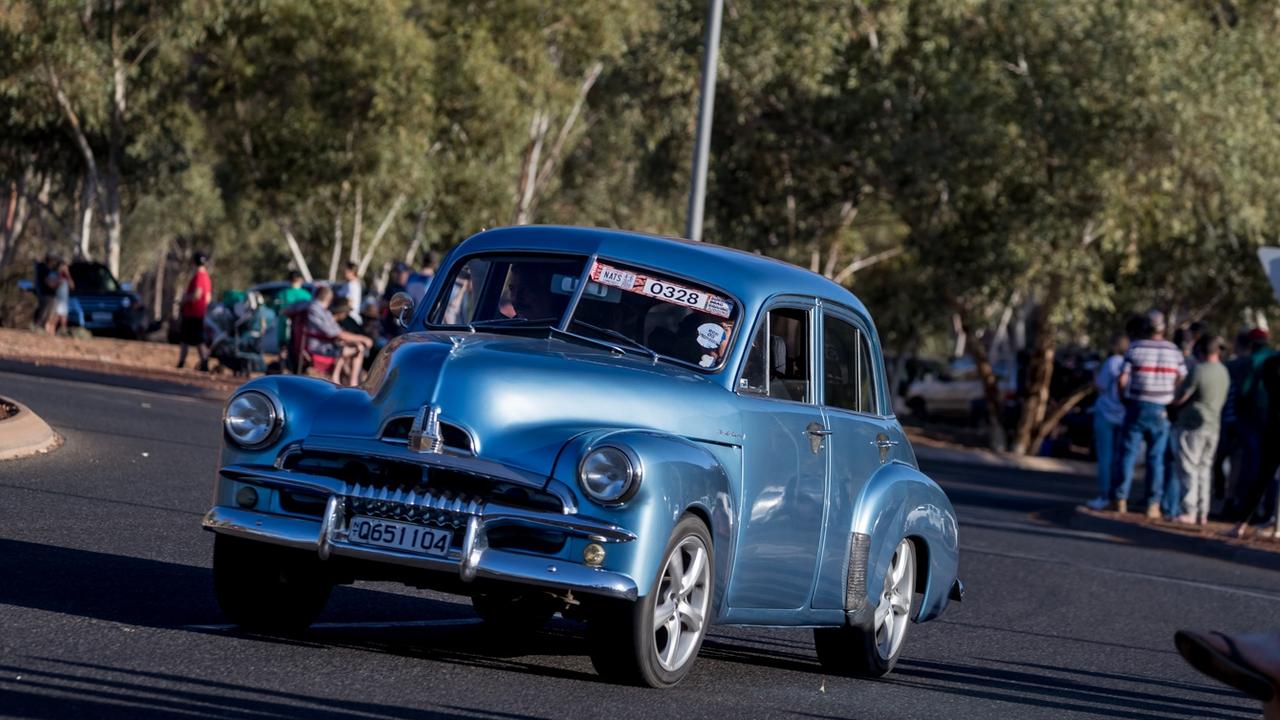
{"type": "Point", "coordinates": [303, 399]}
{"type": "Point", "coordinates": [900, 501]}
{"type": "Point", "coordinates": [679, 476]}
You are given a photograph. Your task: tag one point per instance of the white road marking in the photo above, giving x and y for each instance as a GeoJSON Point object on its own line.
{"type": "Point", "coordinates": [443, 622]}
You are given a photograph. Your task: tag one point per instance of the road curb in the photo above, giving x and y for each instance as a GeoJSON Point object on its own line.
{"type": "Point", "coordinates": [80, 372]}
{"type": "Point", "coordinates": [990, 458]}
{"type": "Point", "coordinates": [25, 433]}
{"type": "Point", "coordinates": [1083, 519]}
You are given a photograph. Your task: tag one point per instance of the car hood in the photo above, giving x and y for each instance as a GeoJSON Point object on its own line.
{"type": "Point", "coordinates": [522, 398]}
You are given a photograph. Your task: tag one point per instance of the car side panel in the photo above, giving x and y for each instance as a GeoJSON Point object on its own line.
{"type": "Point", "coordinates": [900, 501]}
{"type": "Point", "coordinates": [679, 476]}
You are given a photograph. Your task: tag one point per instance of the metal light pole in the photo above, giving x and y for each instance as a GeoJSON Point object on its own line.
{"type": "Point", "coordinates": [698, 184]}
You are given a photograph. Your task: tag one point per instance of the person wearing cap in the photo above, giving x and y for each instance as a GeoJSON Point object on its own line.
{"type": "Point", "coordinates": [398, 283]}
{"type": "Point", "coordinates": [1153, 369]}
{"type": "Point", "coordinates": [194, 305]}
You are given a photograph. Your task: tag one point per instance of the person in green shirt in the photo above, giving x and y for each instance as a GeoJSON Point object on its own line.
{"type": "Point", "coordinates": [287, 297]}
{"type": "Point", "coordinates": [1195, 433]}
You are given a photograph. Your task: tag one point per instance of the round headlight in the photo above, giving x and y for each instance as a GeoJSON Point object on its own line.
{"type": "Point", "coordinates": [609, 475]}
{"type": "Point", "coordinates": [251, 419]}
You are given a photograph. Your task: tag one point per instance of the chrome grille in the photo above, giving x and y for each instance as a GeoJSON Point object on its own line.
{"type": "Point", "coordinates": [444, 509]}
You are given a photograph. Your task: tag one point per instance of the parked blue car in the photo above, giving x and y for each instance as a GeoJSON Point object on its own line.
{"type": "Point", "coordinates": [650, 435]}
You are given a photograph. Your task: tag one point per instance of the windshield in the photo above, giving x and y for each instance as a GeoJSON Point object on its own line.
{"type": "Point", "coordinates": [91, 277]}
{"type": "Point", "coordinates": [631, 308]}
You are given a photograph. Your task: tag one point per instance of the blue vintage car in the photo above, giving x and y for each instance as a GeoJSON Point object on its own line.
{"type": "Point", "coordinates": [648, 434]}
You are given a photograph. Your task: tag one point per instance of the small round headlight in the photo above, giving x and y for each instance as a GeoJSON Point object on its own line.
{"type": "Point", "coordinates": [251, 419]}
{"type": "Point", "coordinates": [609, 475]}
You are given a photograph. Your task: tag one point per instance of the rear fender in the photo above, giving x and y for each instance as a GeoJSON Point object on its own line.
{"type": "Point", "coordinates": [900, 501]}
{"type": "Point", "coordinates": [679, 476]}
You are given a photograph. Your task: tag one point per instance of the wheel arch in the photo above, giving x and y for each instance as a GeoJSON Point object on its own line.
{"type": "Point", "coordinates": [900, 502]}
{"type": "Point", "coordinates": [680, 477]}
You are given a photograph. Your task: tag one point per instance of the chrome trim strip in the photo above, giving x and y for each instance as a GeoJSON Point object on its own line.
{"type": "Point", "coordinates": [448, 459]}
{"type": "Point", "coordinates": [491, 513]}
{"type": "Point", "coordinates": [482, 561]}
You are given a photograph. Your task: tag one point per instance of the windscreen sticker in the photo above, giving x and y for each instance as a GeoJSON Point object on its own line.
{"type": "Point", "coordinates": [664, 290]}
{"type": "Point", "coordinates": [710, 335]}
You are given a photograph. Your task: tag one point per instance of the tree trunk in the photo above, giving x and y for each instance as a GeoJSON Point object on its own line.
{"type": "Point", "coordinates": [90, 162]}
{"type": "Point", "coordinates": [1039, 375]}
{"type": "Point", "coordinates": [418, 238]}
{"type": "Point", "coordinates": [357, 228]}
{"type": "Point", "coordinates": [528, 182]}
{"type": "Point", "coordinates": [990, 384]}
{"type": "Point", "coordinates": [1060, 412]}
{"type": "Point", "coordinates": [380, 233]}
{"type": "Point", "coordinates": [111, 214]}
{"type": "Point", "coordinates": [294, 249]}
{"type": "Point", "coordinates": [336, 255]}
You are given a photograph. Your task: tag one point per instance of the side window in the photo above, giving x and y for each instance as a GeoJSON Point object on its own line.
{"type": "Point", "coordinates": [868, 398]}
{"type": "Point", "coordinates": [778, 360]}
{"type": "Point", "coordinates": [840, 364]}
{"type": "Point", "coordinates": [849, 380]}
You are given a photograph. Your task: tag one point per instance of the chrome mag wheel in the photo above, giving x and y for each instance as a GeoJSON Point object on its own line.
{"type": "Point", "coordinates": [893, 612]}
{"type": "Point", "coordinates": [679, 615]}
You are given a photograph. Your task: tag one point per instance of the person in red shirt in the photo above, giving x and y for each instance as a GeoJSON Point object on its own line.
{"type": "Point", "coordinates": [194, 304]}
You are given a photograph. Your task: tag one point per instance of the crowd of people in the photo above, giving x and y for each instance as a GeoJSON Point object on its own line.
{"type": "Point", "coordinates": [1198, 418]}
{"type": "Point", "coordinates": [333, 329]}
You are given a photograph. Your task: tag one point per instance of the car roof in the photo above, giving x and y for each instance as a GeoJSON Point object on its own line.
{"type": "Point", "coordinates": [752, 278]}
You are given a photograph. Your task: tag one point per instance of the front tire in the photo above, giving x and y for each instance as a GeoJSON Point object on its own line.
{"type": "Point", "coordinates": [266, 588]}
{"type": "Point", "coordinates": [872, 651]}
{"type": "Point", "coordinates": [654, 641]}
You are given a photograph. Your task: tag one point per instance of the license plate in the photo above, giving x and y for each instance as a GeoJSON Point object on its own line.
{"type": "Point", "coordinates": [377, 532]}
{"type": "Point", "coordinates": [101, 317]}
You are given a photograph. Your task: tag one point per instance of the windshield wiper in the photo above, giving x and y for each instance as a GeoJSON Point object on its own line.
{"type": "Point", "coordinates": [511, 321]}
{"type": "Point", "coordinates": [615, 335]}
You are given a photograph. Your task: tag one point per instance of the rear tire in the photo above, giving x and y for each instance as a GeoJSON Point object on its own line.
{"type": "Point", "coordinates": [872, 650]}
{"type": "Point", "coordinates": [654, 641]}
{"type": "Point", "coordinates": [266, 588]}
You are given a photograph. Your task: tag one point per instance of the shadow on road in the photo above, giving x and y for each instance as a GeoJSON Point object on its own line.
{"type": "Point", "coordinates": [99, 691]}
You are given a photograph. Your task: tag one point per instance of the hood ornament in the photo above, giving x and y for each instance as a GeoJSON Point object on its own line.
{"type": "Point", "coordinates": [424, 434]}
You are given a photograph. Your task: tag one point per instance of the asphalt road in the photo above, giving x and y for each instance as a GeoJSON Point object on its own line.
{"type": "Point", "coordinates": [106, 610]}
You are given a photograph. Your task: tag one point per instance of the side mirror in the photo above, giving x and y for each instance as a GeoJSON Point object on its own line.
{"type": "Point", "coordinates": [400, 305]}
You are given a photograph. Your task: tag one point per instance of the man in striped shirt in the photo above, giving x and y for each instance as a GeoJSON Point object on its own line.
{"type": "Point", "coordinates": [1153, 368]}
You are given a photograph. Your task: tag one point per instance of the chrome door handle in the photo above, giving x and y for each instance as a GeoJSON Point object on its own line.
{"type": "Point", "coordinates": [884, 443]}
{"type": "Point", "coordinates": [819, 432]}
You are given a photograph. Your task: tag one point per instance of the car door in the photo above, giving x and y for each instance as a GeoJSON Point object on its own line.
{"type": "Point", "coordinates": [863, 435]}
{"type": "Point", "coordinates": [784, 463]}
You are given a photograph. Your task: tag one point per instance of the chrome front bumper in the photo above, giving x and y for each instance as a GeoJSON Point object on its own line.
{"type": "Point", "coordinates": [475, 559]}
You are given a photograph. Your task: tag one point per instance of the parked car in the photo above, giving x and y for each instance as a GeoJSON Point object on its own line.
{"type": "Point", "coordinates": [954, 391]}
{"type": "Point", "coordinates": [651, 435]}
{"type": "Point", "coordinates": [105, 305]}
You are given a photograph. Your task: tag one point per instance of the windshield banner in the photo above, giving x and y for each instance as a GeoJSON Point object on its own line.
{"type": "Point", "coordinates": [662, 289]}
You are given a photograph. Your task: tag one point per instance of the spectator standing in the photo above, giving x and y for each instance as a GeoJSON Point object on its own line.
{"type": "Point", "coordinates": [1227, 461]}
{"type": "Point", "coordinates": [419, 282]}
{"type": "Point", "coordinates": [1251, 407]}
{"type": "Point", "coordinates": [1108, 421]}
{"type": "Point", "coordinates": [353, 290]}
{"type": "Point", "coordinates": [400, 277]}
{"type": "Point", "coordinates": [59, 285]}
{"type": "Point", "coordinates": [1262, 487]}
{"type": "Point", "coordinates": [44, 293]}
{"type": "Point", "coordinates": [1195, 434]}
{"type": "Point", "coordinates": [285, 299]}
{"type": "Point", "coordinates": [1153, 368]}
{"type": "Point", "coordinates": [194, 305]}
